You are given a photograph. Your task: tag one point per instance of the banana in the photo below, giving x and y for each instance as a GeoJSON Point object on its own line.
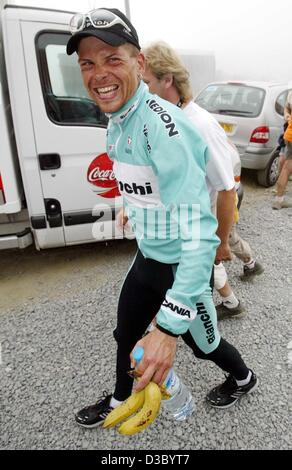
{"type": "Point", "coordinates": [126, 409]}
{"type": "Point", "coordinates": [147, 414]}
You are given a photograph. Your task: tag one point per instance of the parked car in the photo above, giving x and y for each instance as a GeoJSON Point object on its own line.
{"type": "Point", "coordinates": [251, 113]}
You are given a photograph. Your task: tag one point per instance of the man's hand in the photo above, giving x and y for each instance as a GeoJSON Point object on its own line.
{"type": "Point", "coordinates": [223, 253]}
{"type": "Point", "coordinates": [122, 219]}
{"type": "Point", "coordinates": [159, 353]}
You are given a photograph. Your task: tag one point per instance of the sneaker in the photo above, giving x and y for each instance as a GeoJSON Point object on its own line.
{"type": "Point", "coordinates": [249, 273]}
{"type": "Point", "coordinates": [281, 205]}
{"type": "Point", "coordinates": [94, 415]}
{"type": "Point", "coordinates": [224, 312]}
{"type": "Point", "coordinates": [226, 394]}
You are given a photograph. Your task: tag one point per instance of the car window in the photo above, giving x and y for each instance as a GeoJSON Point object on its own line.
{"type": "Point", "coordinates": [280, 102]}
{"type": "Point", "coordinates": [66, 99]}
{"type": "Point", "coordinates": [232, 99]}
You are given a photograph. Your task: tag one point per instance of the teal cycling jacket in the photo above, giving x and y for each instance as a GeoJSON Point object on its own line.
{"type": "Point", "coordinates": [159, 162]}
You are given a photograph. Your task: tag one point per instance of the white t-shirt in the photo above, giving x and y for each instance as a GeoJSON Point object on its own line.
{"type": "Point", "coordinates": [224, 161]}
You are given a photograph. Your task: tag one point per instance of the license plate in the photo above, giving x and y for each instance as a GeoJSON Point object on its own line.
{"type": "Point", "coordinates": [227, 127]}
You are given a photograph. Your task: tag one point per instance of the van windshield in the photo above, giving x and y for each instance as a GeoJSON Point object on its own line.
{"type": "Point", "coordinates": [232, 99]}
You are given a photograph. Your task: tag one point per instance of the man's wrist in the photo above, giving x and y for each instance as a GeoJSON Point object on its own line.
{"type": "Point", "coordinates": [223, 243]}
{"type": "Point", "coordinates": [167, 332]}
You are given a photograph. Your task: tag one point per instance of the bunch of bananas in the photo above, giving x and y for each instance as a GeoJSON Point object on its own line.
{"type": "Point", "coordinates": [147, 399]}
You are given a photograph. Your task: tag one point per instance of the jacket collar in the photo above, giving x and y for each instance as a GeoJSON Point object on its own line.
{"type": "Point", "coordinates": [127, 110]}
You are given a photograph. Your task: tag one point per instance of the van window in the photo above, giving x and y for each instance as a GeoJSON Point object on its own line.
{"type": "Point", "coordinates": [232, 99]}
{"type": "Point", "coordinates": [66, 99]}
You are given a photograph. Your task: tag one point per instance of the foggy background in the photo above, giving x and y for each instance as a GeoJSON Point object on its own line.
{"type": "Point", "coordinates": [247, 40]}
{"type": "Point", "coordinates": [250, 39]}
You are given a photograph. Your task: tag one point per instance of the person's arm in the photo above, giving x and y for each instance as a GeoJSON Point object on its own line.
{"type": "Point", "coordinates": [225, 217]}
{"type": "Point", "coordinates": [220, 178]}
{"type": "Point", "coordinates": [287, 113]}
{"type": "Point", "coordinates": [287, 108]}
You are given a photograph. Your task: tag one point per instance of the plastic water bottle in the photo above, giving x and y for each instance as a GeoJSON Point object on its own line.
{"type": "Point", "coordinates": [178, 400]}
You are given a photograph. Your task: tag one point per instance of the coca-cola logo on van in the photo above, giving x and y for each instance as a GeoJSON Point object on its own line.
{"type": "Point", "coordinates": [100, 174]}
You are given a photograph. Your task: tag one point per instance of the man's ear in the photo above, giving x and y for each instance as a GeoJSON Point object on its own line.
{"type": "Point", "coordinates": [141, 64]}
{"type": "Point", "coordinates": [168, 79]}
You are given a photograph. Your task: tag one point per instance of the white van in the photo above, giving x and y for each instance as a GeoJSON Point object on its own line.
{"type": "Point", "coordinates": [57, 186]}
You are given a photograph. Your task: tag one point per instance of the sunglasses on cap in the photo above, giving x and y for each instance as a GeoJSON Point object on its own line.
{"type": "Point", "coordinates": [99, 19]}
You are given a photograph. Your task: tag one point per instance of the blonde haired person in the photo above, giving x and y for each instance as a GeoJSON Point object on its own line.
{"type": "Point", "coordinates": [166, 66]}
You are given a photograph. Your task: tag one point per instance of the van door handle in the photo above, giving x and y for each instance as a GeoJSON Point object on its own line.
{"type": "Point", "coordinates": [49, 161]}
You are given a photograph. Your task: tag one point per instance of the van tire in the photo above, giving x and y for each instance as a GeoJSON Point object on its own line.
{"type": "Point", "coordinates": [268, 177]}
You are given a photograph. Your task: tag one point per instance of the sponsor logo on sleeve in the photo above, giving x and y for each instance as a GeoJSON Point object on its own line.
{"type": "Point", "coordinates": [207, 322]}
{"type": "Point", "coordinates": [175, 308]}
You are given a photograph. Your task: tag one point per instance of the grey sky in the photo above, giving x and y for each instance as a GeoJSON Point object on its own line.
{"type": "Point", "coordinates": [250, 39]}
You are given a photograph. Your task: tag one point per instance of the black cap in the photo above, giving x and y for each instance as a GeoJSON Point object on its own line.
{"type": "Point", "coordinates": [115, 36]}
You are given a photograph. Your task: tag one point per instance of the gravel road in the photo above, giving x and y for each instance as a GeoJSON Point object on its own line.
{"type": "Point", "coordinates": [57, 352]}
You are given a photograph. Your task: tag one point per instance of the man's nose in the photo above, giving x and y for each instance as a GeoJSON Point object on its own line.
{"type": "Point", "coordinates": [100, 73]}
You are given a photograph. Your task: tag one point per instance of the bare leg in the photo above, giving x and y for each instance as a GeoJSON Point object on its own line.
{"type": "Point", "coordinates": [283, 178]}
{"type": "Point", "coordinates": [226, 290]}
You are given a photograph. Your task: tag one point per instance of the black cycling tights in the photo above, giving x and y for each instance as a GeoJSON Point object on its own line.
{"type": "Point", "coordinates": [142, 293]}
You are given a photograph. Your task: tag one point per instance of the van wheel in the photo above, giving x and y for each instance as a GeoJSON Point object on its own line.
{"type": "Point", "coordinates": [269, 175]}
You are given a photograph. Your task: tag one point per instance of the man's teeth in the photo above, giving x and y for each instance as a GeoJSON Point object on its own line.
{"type": "Point", "coordinates": [107, 89]}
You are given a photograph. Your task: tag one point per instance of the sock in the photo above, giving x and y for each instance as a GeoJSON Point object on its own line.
{"type": "Point", "coordinates": [250, 264]}
{"type": "Point", "coordinates": [114, 403]}
{"type": "Point", "coordinates": [280, 198]}
{"type": "Point", "coordinates": [231, 301]}
{"type": "Point", "coordinates": [246, 381]}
